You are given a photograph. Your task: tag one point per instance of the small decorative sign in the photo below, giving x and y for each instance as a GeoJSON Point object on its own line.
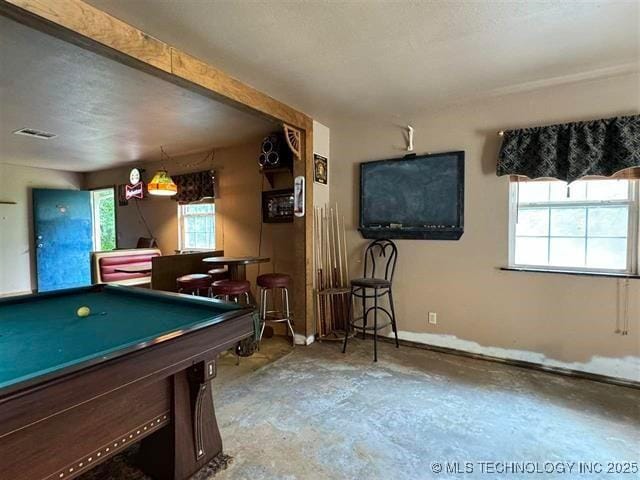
{"type": "Point", "coordinates": [134, 176]}
{"type": "Point", "coordinates": [136, 188]}
{"type": "Point", "coordinates": [320, 169]}
{"type": "Point", "coordinates": [134, 191]}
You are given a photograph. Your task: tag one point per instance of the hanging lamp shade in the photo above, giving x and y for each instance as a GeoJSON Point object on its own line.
{"type": "Point", "coordinates": [162, 184]}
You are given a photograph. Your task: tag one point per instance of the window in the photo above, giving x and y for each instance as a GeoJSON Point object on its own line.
{"type": "Point", "coordinates": [589, 226]}
{"type": "Point", "coordinates": [197, 226]}
{"type": "Point", "coordinates": [103, 204]}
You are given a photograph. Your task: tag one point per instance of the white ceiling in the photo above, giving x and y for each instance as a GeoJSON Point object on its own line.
{"type": "Point", "coordinates": [395, 58]}
{"type": "Point", "coordinates": [104, 113]}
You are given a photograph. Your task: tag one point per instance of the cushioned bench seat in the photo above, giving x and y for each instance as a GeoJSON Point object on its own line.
{"type": "Point", "coordinates": [105, 265]}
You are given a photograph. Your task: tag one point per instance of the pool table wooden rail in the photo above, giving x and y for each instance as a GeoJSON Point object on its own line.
{"type": "Point", "coordinates": [62, 427]}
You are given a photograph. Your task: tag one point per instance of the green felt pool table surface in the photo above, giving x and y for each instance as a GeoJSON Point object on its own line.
{"type": "Point", "coordinates": [42, 334]}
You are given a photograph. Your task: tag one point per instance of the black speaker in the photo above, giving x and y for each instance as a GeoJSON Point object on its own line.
{"type": "Point", "coordinates": [275, 153]}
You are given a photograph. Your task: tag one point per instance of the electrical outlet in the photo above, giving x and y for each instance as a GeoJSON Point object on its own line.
{"type": "Point", "coordinates": [433, 318]}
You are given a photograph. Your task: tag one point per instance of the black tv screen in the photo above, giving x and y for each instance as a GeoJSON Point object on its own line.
{"type": "Point", "coordinates": [413, 197]}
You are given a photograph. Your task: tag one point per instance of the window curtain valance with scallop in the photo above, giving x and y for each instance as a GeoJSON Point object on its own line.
{"type": "Point", "coordinates": [570, 151]}
{"type": "Point", "coordinates": [196, 186]}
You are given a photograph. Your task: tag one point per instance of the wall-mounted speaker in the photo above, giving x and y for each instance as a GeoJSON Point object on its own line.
{"type": "Point", "coordinates": [275, 153]}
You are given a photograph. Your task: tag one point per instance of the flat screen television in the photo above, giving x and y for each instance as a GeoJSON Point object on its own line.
{"type": "Point", "coordinates": [413, 197]}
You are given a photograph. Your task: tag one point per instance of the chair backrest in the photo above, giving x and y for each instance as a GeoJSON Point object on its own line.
{"type": "Point", "coordinates": [145, 242]}
{"type": "Point", "coordinates": [380, 258]}
{"type": "Point", "coordinates": [104, 265]}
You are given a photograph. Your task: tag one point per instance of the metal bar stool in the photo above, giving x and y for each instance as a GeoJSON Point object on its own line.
{"type": "Point", "coordinates": [231, 289]}
{"type": "Point", "coordinates": [384, 253]}
{"type": "Point", "coordinates": [270, 282]}
{"type": "Point", "coordinates": [194, 284]}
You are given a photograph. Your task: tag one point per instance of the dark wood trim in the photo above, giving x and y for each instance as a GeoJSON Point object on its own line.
{"type": "Point", "coordinates": [567, 372]}
{"type": "Point", "coordinates": [570, 272]}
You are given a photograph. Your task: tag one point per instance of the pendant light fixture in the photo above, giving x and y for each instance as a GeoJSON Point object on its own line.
{"type": "Point", "coordinates": [161, 184]}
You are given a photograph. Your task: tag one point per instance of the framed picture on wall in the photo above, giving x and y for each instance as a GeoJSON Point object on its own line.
{"type": "Point", "coordinates": [320, 169]}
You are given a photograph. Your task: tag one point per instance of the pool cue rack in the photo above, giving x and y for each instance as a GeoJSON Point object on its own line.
{"type": "Point", "coordinates": [331, 273]}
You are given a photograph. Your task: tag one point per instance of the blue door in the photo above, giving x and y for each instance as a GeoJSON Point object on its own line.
{"type": "Point", "coordinates": [63, 237]}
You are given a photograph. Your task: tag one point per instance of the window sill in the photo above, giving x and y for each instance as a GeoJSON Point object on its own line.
{"type": "Point", "coordinates": [571, 272]}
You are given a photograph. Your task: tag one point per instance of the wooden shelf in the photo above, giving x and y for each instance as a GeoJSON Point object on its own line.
{"type": "Point", "coordinates": [4, 202]}
{"type": "Point", "coordinates": [270, 173]}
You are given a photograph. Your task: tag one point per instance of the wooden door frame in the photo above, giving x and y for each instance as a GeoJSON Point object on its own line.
{"type": "Point", "coordinates": [95, 30]}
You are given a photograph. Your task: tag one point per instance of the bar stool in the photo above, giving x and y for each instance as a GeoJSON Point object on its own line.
{"type": "Point", "coordinates": [269, 282]}
{"type": "Point", "coordinates": [382, 252]}
{"type": "Point", "coordinates": [218, 274]}
{"type": "Point", "coordinates": [194, 284]}
{"type": "Point", "coordinates": [228, 289]}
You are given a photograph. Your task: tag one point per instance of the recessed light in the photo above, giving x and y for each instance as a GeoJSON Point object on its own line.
{"type": "Point", "coordinates": [32, 132]}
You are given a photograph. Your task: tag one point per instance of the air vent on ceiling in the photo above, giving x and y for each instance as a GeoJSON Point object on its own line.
{"type": "Point", "coordinates": [32, 132]}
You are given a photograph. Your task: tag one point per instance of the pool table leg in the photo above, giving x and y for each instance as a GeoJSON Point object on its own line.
{"type": "Point", "coordinates": [192, 439]}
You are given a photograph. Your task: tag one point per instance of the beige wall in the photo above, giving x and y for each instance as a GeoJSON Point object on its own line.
{"type": "Point", "coordinates": [238, 208]}
{"type": "Point", "coordinates": [17, 272]}
{"type": "Point", "coordinates": [558, 320]}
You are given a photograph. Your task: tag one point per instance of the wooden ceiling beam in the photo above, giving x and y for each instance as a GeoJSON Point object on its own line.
{"type": "Point", "coordinates": [91, 28]}
{"type": "Point", "coordinates": [80, 18]}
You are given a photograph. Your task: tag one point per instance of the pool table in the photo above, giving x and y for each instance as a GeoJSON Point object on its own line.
{"type": "Point", "coordinates": [76, 390]}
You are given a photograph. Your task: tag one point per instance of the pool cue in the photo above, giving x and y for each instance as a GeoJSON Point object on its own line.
{"type": "Point", "coordinates": [319, 268]}
{"type": "Point", "coordinates": [346, 274]}
{"type": "Point", "coordinates": [323, 252]}
{"type": "Point", "coordinates": [316, 251]}
{"type": "Point", "coordinates": [330, 247]}
{"type": "Point", "coordinates": [326, 262]}
{"type": "Point", "coordinates": [336, 264]}
{"type": "Point", "coordinates": [339, 246]}
{"type": "Point", "coordinates": [339, 274]}
{"type": "Point", "coordinates": [330, 266]}
{"type": "Point", "coordinates": [329, 276]}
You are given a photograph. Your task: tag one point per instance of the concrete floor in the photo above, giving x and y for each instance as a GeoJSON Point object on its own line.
{"type": "Point", "coordinates": [318, 414]}
{"type": "Point", "coordinates": [315, 413]}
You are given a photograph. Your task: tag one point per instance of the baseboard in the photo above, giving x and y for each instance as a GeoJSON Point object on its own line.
{"type": "Point", "coordinates": [517, 363]}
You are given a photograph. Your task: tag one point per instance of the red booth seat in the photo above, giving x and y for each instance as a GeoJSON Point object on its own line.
{"type": "Point", "coordinates": [106, 263]}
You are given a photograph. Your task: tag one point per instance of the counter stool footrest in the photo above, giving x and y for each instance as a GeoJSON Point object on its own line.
{"type": "Point", "coordinates": [371, 328]}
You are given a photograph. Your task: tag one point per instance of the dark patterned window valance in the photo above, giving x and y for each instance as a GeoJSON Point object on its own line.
{"type": "Point", "coordinates": [570, 151]}
{"type": "Point", "coordinates": [196, 186]}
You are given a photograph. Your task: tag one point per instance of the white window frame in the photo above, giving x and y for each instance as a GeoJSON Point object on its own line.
{"type": "Point", "coordinates": [633, 235]}
{"type": "Point", "coordinates": [95, 227]}
{"type": "Point", "coordinates": [181, 218]}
